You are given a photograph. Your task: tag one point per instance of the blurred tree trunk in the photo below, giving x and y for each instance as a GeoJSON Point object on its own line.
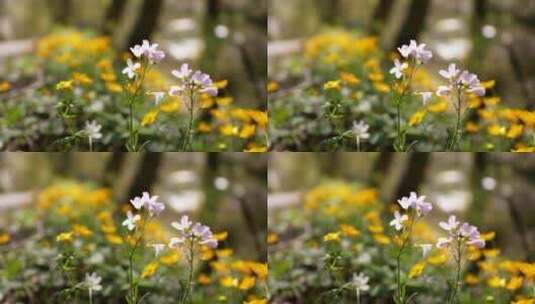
{"type": "Point", "coordinates": [249, 216]}
{"type": "Point", "coordinates": [414, 22]}
{"type": "Point", "coordinates": [380, 168]}
{"type": "Point", "coordinates": [521, 78]}
{"type": "Point", "coordinates": [61, 11]}
{"type": "Point", "coordinates": [146, 22]}
{"type": "Point", "coordinates": [479, 195]}
{"type": "Point", "coordinates": [412, 176]}
{"type": "Point", "coordinates": [146, 175]}
{"type": "Point", "coordinates": [481, 44]}
{"type": "Point", "coordinates": [112, 168]}
{"type": "Point", "coordinates": [211, 42]}
{"type": "Point", "coordinates": [518, 223]}
{"type": "Point", "coordinates": [329, 11]}
{"type": "Point", "coordinates": [212, 195]}
{"type": "Point", "coordinates": [113, 15]}
{"type": "Point", "coordinates": [380, 16]}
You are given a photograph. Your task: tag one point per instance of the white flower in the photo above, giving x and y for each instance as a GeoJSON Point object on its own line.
{"type": "Point", "coordinates": [131, 68]}
{"type": "Point", "coordinates": [92, 282]}
{"type": "Point", "coordinates": [150, 203]}
{"type": "Point", "coordinates": [417, 202]}
{"type": "Point", "coordinates": [183, 225]}
{"type": "Point", "coordinates": [151, 51]}
{"type": "Point", "coordinates": [451, 73]}
{"type": "Point", "coordinates": [451, 225]}
{"type": "Point", "coordinates": [405, 202]}
{"type": "Point", "coordinates": [426, 248]}
{"type": "Point", "coordinates": [398, 220]}
{"type": "Point", "coordinates": [360, 130]}
{"type": "Point", "coordinates": [92, 130]}
{"type": "Point", "coordinates": [174, 242]}
{"type": "Point", "coordinates": [425, 96]}
{"type": "Point", "coordinates": [398, 68]}
{"type": "Point", "coordinates": [158, 96]}
{"type": "Point", "coordinates": [183, 73]}
{"type": "Point", "coordinates": [158, 248]}
{"type": "Point", "coordinates": [444, 242]}
{"type": "Point", "coordinates": [360, 282]}
{"type": "Point", "coordinates": [138, 50]}
{"type": "Point", "coordinates": [444, 91]}
{"type": "Point", "coordinates": [417, 51]}
{"type": "Point", "coordinates": [131, 220]}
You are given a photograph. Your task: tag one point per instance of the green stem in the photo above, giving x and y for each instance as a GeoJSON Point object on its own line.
{"type": "Point", "coordinates": [455, 139]}
{"type": "Point", "coordinates": [358, 295]}
{"type": "Point", "coordinates": [187, 142]}
{"type": "Point", "coordinates": [454, 297]}
{"type": "Point", "coordinates": [400, 294]}
{"type": "Point", "coordinates": [186, 299]}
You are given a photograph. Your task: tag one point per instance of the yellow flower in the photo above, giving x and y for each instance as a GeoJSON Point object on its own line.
{"type": "Point", "coordinates": [381, 87]}
{"type": "Point", "coordinates": [489, 84]}
{"type": "Point", "coordinates": [332, 85]}
{"type": "Point", "coordinates": [221, 84]}
{"type": "Point", "coordinates": [207, 254]}
{"type": "Point", "coordinates": [381, 239]}
{"type": "Point", "coordinates": [256, 150]}
{"type": "Point", "coordinates": [247, 283]}
{"type": "Point", "coordinates": [149, 118]}
{"type": "Point", "coordinates": [224, 101]}
{"type": "Point", "coordinates": [224, 253]}
{"type": "Point", "coordinates": [376, 228]}
{"type": "Point", "coordinates": [514, 283]}
{"type": "Point", "coordinates": [170, 106]}
{"type": "Point", "coordinates": [64, 237]}
{"type": "Point", "coordinates": [332, 237]}
{"type": "Point", "coordinates": [471, 127]}
{"type": "Point", "coordinates": [248, 131]}
{"type": "Point", "coordinates": [82, 78]}
{"type": "Point", "coordinates": [349, 230]}
{"type": "Point", "coordinates": [4, 86]}
{"type": "Point", "coordinates": [471, 279]}
{"type": "Point", "coordinates": [272, 238]}
{"type": "Point", "coordinates": [228, 282]}
{"type": "Point", "coordinates": [108, 76]}
{"type": "Point", "coordinates": [204, 279]}
{"type": "Point", "coordinates": [260, 270]}
{"type": "Point", "coordinates": [417, 118]}
{"type": "Point", "coordinates": [524, 149]}
{"type": "Point", "coordinates": [114, 239]}
{"type": "Point", "coordinates": [438, 107]}
{"type": "Point", "coordinates": [203, 127]}
{"type": "Point", "coordinates": [64, 85]}
{"type": "Point", "coordinates": [524, 301]}
{"type": "Point", "coordinates": [170, 259]}
{"type": "Point", "coordinates": [264, 301]}
{"type": "Point", "coordinates": [438, 259]}
{"type": "Point", "coordinates": [4, 238]}
{"type": "Point", "coordinates": [491, 253]}
{"type": "Point", "coordinates": [515, 131]}
{"type": "Point", "coordinates": [149, 270]}
{"type": "Point", "coordinates": [376, 77]}
{"type": "Point", "coordinates": [81, 230]}
{"type": "Point", "coordinates": [491, 101]}
{"type": "Point", "coordinates": [114, 87]}
{"type": "Point", "coordinates": [417, 270]}
{"type": "Point", "coordinates": [496, 130]}
{"type": "Point", "coordinates": [272, 87]}
{"type": "Point", "coordinates": [228, 130]}
{"type": "Point", "coordinates": [496, 282]}
{"type": "Point", "coordinates": [349, 78]}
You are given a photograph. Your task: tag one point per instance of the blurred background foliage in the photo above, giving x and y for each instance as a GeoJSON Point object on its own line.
{"type": "Point", "coordinates": [226, 38]}
{"type": "Point", "coordinates": [493, 38]}
{"type": "Point", "coordinates": [224, 190]}
{"type": "Point", "coordinates": [491, 190]}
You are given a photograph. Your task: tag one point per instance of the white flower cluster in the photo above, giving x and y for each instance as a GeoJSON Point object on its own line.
{"type": "Point", "coordinates": [461, 81]}
{"type": "Point", "coordinates": [194, 233]}
{"type": "Point", "coordinates": [461, 233]}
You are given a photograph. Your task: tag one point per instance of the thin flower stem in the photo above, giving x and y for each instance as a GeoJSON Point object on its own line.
{"type": "Point", "coordinates": [455, 139]}
{"type": "Point", "coordinates": [454, 294]}
{"type": "Point", "coordinates": [187, 142]}
{"type": "Point", "coordinates": [358, 144]}
{"type": "Point", "coordinates": [90, 296]}
{"type": "Point", "coordinates": [400, 137]}
{"type": "Point", "coordinates": [400, 294]}
{"type": "Point", "coordinates": [90, 144]}
{"type": "Point", "coordinates": [133, 141]}
{"type": "Point", "coordinates": [186, 298]}
{"type": "Point", "coordinates": [357, 291]}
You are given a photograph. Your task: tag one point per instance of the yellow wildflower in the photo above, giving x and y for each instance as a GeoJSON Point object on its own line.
{"type": "Point", "coordinates": [221, 84]}
{"type": "Point", "coordinates": [349, 78]}
{"type": "Point", "coordinates": [272, 87]}
{"type": "Point", "coordinates": [376, 228]}
{"type": "Point", "coordinates": [247, 283]}
{"type": "Point", "coordinates": [349, 230]}
{"type": "Point", "coordinates": [224, 101]}
{"type": "Point", "coordinates": [471, 127]}
{"type": "Point", "coordinates": [496, 130]}
{"type": "Point", "coordinates": [170, 259]}
{"type": "Point", "coordinates": [376, 77]}
{"type": "Point", "coordinates": [496, 282]}
{"type": "Point", "coordinates": [114, 239]}
{"type": "Point", "coordinates": [471, 279]}
{"type": "Point", "coordinates": [333, 236]}
{"type": "Point", "coordinates": [248, 131]}
{"type": "Point", "coordinates": [81, 78]}
{"type": "Point", "coordinates": [272, 238]}
{"type": "Point", "coordinates": [264, 301]}
{"type": "Point", "coordinates": [228, 282]}
{"type": "Point", "coordinates": [381, 239]}
{"type": "Point", "coordinates": [81, 230]}
{"type": "Point", "coordinates": [438, 107]}
{"type": "Point", "coordinates": [150, 270]}
{"type": "Point", "coordinates": [4, 86]}
{"type": "Point", "coordinates": [381, 87]}
{"type": "Point", "coordinates": [417, 118]}
{"type": "Point", "coordinates": [515, 131]}
{"type": "Point", "coordinates": [260, 270]}
{"type": "Point", "coordinates": [224, 253]}
{"type": "Point", "coordinates": [489, 84]}
{"type": "Point", "coordinates": [204, 279]}
{"type": "Point", "coordinates": [108, 76]}
{"type": "Point", "coordinates": [491, 253]}
{"type": "Point", "coordinates": [417, 269]}
{"type": "Point", "coordinates": [64, 85]}
{"type": "Point", "coordinates": [150, 117]}
{"type": "Point", "coordinates": [4, 238]}
{"type": "Point", "coordinates": [170, 106]}
{"type": "Point", "coordinates": [228, 130]}
{"type": "Point", "coordinates": [524, 301]}
{"type": "Point", "coordinates": [514, 283]}
{"type": "Point", "coordinates": [332, 85]}
{"type": "Point", "coordinates": [114, 87]}
{"type": "Point", "coordinates": [438, 259]}
{"type": "Point", "coordinates": [64, 237]}
{"type": "Point", "coordinates": [256, 150]}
